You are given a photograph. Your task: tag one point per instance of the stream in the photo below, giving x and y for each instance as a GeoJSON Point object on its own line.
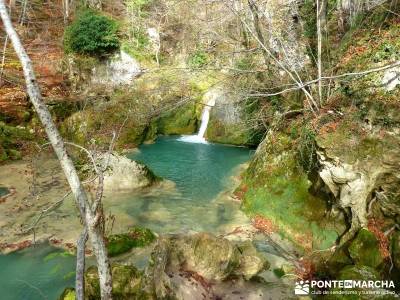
{"type": "Point", "coordinates": [197, 201]}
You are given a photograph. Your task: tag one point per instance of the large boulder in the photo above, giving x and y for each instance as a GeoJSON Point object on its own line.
{"type": "Point", "coordinates": [124, 174]}
{"type": "Point", "coordinates": [127, 281]}
{"type": "Point", "coordinates": [182, 120]}
{"type": "Point", "coordinates": [227, 124]}
{"type": "Point", "coordinates": [203, 259]}
{"type": "Point", "coordinates": [120, 69]}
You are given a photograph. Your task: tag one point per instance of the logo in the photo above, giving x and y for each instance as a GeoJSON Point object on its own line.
{"type": "Point", "coordinates": [302, 288]}
{"type": "Point", "coordinates": [344, 287]}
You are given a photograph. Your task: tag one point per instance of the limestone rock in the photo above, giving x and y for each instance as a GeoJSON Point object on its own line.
{"type": "Point", "coordinates": [391, 79]}
{"type": "Point", "coordinates": [124, 174]}
{"type": "Point", "coordinates": [127, 281]}
{"type": "Point", "coordinates": [201, 256]}
{"type": "Point", "coordinates": [119, 69]}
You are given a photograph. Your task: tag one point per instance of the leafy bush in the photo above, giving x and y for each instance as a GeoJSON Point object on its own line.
{"type": "Point", "coordinates": [91, 33]}
{"type": "Point", "coordinates": [198, 59]}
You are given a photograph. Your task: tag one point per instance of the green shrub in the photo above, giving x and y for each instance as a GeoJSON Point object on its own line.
{"type": "Point", "coordinates": [91, 33]}
{"type": "Point", "coordinates": [198, 59]}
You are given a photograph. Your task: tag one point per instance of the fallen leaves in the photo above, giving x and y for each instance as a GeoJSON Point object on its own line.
{"type": "Point", "coordinates": [375, 227]}
{"type": "Point", "coordinates": [264, 225]}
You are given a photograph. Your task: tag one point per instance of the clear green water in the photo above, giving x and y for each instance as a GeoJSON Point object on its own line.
{"type": "Point", "coordinates": [3, 191]}
{"type": "Point", "coordinates": [35, 273]}
{"type": "Point", "coordinates": [200, 172]}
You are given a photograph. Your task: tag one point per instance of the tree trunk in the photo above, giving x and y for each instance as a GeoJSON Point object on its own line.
{"type": "Point", "coordinates": [80, 265]}
{"type": "Point", "coordinates": [257, 27]}
{"type": "Point", "coordinates": [319, 47]}
{"type": "Point", "coordinates": [89, 217]}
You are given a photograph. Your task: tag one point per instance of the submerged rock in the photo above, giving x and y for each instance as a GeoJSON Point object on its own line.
{"type": "Point", "coordinates": [135, 237]}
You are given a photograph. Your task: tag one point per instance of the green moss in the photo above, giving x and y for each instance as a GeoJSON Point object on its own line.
{"type": "Point", "coordinates": [198, 59]}
{"type": "Point", "coordinates": [278, 189]}
{"type": "Point", "coordinates": [279, 272]}
{"type": "Point", "coordinates": [232, 134]}
{"type": "Point", "coordinates": [182, 120]}
{"type": "Point", "coordinates": [138, 46]}
{"type": "Point", "coordinates": [68, 294]}
{"type": "Point", "coordinates": [395, 248]}
{"type": "Point", "coordinates": [127, 282]}
{"type": "Point", "coordinates": [12, 139]}
{"type": "Point", "coordinates": [355, 273]}
{"type": "Point", "coordinates": [339, 260]}
{"type": "Point", "coordinates": [136, 237]}
{"type": "Point", "coordinates": [350, 135]}
{"type": "Point", "coordinates": [358, 273]}
{"type": "Point", "coordinates": [63, 109]}
{"type": "Point", "coordinates": [364, 249]}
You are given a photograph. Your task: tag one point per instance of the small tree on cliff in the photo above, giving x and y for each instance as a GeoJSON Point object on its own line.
{"type": "Point", "coordinates": [91, 213]}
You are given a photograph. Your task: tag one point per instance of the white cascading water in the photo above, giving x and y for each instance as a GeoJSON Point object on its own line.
{"type": "Point", "coordinates": [205, 117]}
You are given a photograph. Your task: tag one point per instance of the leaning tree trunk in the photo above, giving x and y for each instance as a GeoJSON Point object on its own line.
{"type": "Point", "coordinates": [89, 216]}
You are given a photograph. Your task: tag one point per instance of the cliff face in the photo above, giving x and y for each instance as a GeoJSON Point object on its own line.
{"type": "Point", "coordinates": [344, 162]}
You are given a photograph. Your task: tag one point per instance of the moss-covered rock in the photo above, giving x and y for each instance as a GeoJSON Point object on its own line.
{"type": "Point", "coordinates": [68, 294]}
{"type": "Point", "coordinates": [127, 281]}
{"type": "Point", "coordinates": [135, 237]}
{"type": "Point", "coordinates": [396, 249]}
{"type": "Point", "coordinates": [250, 261]}
{"type": "Point", "coordinates": [231, 122]}
{"type": "Point", "coordinates": [364, 249]}
{"type": "Point", "coordinates": [12, 139]}
{"type": "Point", "coordinates": [339, 260]}
{"type": "Point", "coordinates": [96, 124]}
{"type": "Point", "coordinates": [357, 273]}
{"type": "Point", "coordinates": [182, 120]}
{"type": "Point", "coordinates": [211, 257]}
{"type": "Point", "coordinates": [277, 187]}
{"type": "Point", "coordinates": [234, 134]}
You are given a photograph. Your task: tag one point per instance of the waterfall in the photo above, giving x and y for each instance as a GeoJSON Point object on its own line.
{"type": "Point", "coordinates": [205, 117]}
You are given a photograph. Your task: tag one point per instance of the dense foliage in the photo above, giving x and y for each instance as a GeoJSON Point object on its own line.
{"type": "Point", "coordinates": [91, 33]}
